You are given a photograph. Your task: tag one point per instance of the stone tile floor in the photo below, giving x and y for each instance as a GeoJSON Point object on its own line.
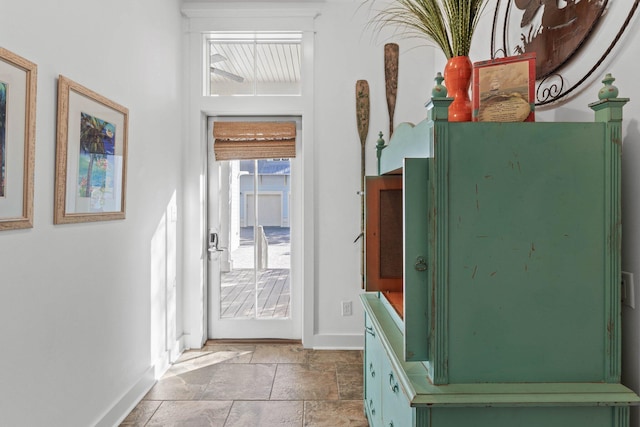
{"type": "Point", "coordinates": [256, 385]}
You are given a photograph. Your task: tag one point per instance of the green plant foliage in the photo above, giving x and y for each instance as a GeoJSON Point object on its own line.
{"type": "Point", "coordinates": [449, 24]}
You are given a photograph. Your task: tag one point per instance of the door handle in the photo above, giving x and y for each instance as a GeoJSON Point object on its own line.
{"type": "Point", "coordinates": [214, 241]}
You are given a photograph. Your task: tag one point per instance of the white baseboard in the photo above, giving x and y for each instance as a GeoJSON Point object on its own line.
{"type": "Point", "coordinates": [337, 342]}
{"type": "Point", "coordinates": [125, 405]}
{"type": "Point", "coordinates": [177, 350]}
{"type": "Point", "coordinates": [191, 342]}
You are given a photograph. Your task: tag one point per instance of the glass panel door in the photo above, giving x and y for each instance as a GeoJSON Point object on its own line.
{"type": "Point", "coordinates": [249, 262]}
{"type": "Point", "coordinates": [256, 282]}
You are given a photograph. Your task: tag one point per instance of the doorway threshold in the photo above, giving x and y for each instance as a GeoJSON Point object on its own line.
{"type": "Point", "coordinates": [252, 341]}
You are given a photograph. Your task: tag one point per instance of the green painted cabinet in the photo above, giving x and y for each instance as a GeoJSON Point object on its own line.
{"type": "Point", "coordinates": [509, 308]}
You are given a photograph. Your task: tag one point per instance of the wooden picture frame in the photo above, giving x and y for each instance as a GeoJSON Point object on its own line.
{"type": "Point", "coordinates": [504, 89]}
{"type": "Point", "coordinates": [18, 85]}
{"type": "Point", "coordinates": [91, 156]}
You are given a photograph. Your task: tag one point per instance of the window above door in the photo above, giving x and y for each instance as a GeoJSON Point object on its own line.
{"type": "Point", "coordinates": [253, 63]}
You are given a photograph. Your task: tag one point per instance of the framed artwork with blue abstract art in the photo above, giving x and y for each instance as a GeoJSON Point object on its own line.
{"type": "Point", "coordinates": [91, 156]}
{"type": "Point", "coordinates": [18, 81]}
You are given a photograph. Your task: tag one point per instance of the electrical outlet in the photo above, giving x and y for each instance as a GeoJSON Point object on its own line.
{"type": "Point", "coordinates": [347, 308]}
{"type": "Point", "coordinates": [628, 290]}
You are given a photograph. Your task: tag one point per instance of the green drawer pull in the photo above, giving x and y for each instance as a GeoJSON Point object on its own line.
{"type": "Point", "coordinates": [373, 411]}
{"type": "Point", "coordinates": [392, 384]}
{"type": "Point", "coordinates": [369, 330]}
{"type": "Point", "coordinates": [391, 424]}
{"type": "Point", "coordinates": [371, 370]}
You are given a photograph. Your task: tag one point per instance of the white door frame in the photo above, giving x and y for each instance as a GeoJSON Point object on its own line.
{"type": "Point", "coordinates": [239, 328]}
{"type": "Point", "coordinates": [200, 19]}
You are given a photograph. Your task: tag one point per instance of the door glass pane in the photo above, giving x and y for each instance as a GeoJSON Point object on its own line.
{"type": "Point", "coordinates": [256, 281]}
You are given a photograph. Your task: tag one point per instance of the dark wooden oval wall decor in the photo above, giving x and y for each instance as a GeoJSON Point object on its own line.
{"type": "Point", "coordinates": [554, 32]}
{"type": "Point", "coordinates": [571, 38]}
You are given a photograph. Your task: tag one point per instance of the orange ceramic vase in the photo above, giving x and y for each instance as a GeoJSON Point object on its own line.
{"type": "Point", "coordinates": [457, 79]}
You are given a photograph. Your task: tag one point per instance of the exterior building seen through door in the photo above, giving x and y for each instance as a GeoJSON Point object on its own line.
{"type": "Point", "coordinates": [255, 282]}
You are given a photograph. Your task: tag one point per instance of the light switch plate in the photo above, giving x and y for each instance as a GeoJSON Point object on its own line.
{"type": "Point", "coordinates": [347, 308]}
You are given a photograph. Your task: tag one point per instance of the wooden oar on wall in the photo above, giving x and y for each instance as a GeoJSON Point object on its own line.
{"type": "Point", "coordinates": [391, 80]}
{"type": "Point", "coordinates": [362, 118]}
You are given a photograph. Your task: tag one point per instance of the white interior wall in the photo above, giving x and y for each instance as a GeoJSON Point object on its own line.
{"type": "Point", "coordinates": [344, 52]}
{"type": "Point", "coordinates": [80, 323]}
{"type": "Point", "coordinates": [77, 326]}
{"type": "Point", "coordinates": [347, 51]}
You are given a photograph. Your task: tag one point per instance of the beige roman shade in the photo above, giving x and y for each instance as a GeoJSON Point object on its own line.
{"type": "Point", "coordinates": [254, 140]}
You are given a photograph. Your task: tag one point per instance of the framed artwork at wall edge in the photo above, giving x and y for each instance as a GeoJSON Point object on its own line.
{"type": "Point", "coordinates": [503, 89]}
{"type": "Point", "coordinates": [18, 85]}
{"type": "Point", "coordinates": [91, 156]}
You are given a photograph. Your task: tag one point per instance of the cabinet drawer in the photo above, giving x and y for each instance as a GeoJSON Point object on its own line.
{"type": "Point", "coordinates": [576, 416]}
{"type": "Point", "coordinates": [372, 374]}
{"type": "Point", "coordinates": [396, 411]}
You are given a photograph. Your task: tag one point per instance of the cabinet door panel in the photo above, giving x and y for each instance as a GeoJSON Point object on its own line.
{"type": "Point", "coordinates": [383, 235]}
{"type": "Point", "coordinates": [527, 249]}
{"type": "Point", "coordinates": [416, 268]}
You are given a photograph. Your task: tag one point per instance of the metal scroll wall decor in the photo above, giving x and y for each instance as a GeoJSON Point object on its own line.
{"type": "Point", "coordinates": [557, 30]}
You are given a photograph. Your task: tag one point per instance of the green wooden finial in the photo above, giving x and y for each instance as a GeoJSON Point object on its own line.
{"type": "Point", "coordinates": [609, 107]}
{"type": "Point", "coordinates": [438, 105]}
{"type": "Point", "coordinates": [609, 90]}
{"type": "Point", "coordinates": [439, 91]}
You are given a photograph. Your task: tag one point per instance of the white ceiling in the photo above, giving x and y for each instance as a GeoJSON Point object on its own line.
{"type": "Point", "coordinates": [264, 59]}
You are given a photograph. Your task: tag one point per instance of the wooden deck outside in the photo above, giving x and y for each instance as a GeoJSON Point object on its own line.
{"type": "Point", "coordinates": [238, 293]}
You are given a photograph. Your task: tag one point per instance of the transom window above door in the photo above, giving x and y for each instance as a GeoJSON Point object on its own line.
{"type": "Point", "coordinates": [253, 64]}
